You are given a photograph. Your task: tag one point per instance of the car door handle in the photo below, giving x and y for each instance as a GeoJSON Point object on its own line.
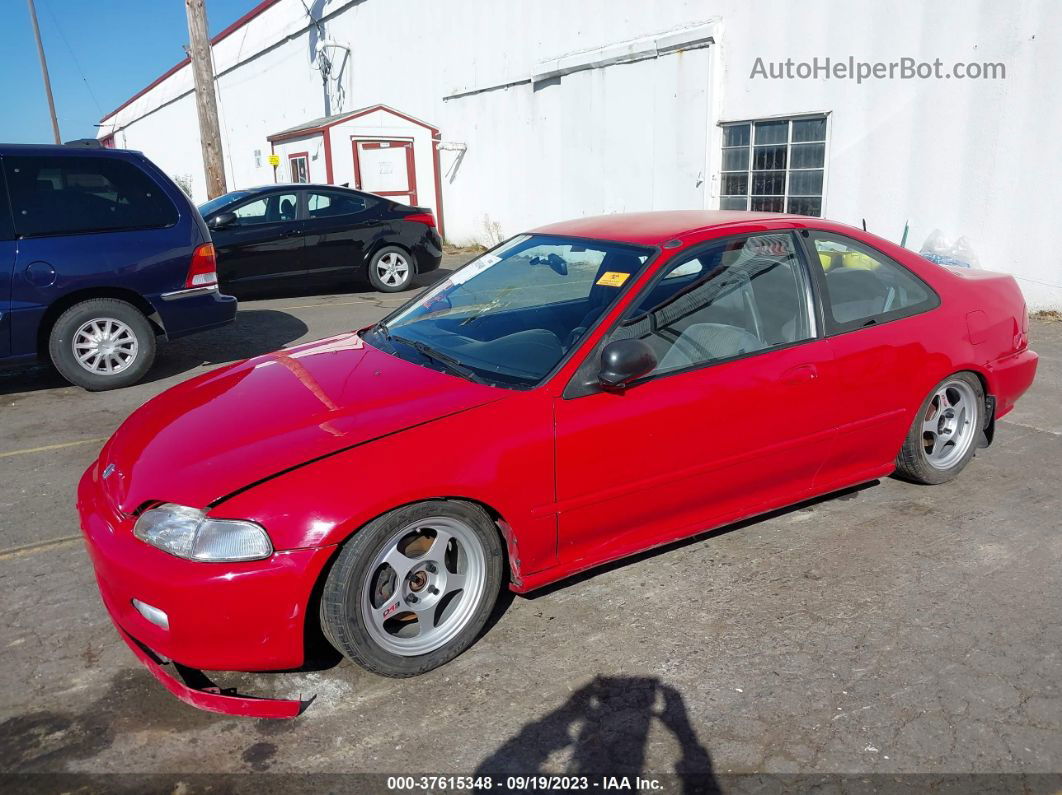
{"type": "Point", "coordinates": [801, 374]}
{"type": "Point", "coordinates": [291, 233]}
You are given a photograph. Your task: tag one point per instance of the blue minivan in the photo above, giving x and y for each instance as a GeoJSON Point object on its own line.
{"type": "Point", "coordinates": [101, 254]}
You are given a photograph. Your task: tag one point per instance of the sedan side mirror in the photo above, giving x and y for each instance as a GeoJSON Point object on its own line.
{"type": "Point", "coordinates": [624, 361]}
{"type": "Point", "coordinates": [222, 220]}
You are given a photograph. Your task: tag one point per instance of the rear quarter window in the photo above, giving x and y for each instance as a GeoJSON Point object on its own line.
{"type": "Point", "coordinates": [73, 195]}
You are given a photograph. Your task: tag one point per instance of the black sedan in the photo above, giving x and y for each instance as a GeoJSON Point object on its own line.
{"type": "Point", "coordinates": [306, 236]}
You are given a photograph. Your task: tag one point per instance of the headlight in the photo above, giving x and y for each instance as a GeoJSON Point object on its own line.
{"type": "Point", "coordinates": [190, 533]}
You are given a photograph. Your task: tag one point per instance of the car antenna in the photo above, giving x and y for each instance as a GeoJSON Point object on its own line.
{"type": "Point", "coordinates": [864, 224]}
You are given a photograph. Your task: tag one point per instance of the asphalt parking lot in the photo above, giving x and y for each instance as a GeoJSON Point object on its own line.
{"type": "Point", "coordinates": [890, 629]}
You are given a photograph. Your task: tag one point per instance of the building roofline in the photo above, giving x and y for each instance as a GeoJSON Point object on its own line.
{"type": "Point", "coordinates": [264, 5]}
{"type": "Point", "coordinates": [339, 118]}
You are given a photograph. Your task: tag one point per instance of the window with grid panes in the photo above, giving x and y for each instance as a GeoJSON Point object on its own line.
{"type": "Point", "coordinates": [775, 165]}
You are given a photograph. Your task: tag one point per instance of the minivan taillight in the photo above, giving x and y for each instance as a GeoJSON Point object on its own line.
{"type": "Point", "coordinates": [422, 218]}
{"type": "Point", "coordinates": [203, 272]}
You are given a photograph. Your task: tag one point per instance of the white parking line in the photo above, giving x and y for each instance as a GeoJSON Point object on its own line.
{"type": "Point", "coordinates": [48, 447]}
{"type": "Point", "coordinates": [38, 546]}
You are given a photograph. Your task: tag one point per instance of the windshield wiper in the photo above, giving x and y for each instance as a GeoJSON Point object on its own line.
{"type": "Point", "coordinates": [446, 361]}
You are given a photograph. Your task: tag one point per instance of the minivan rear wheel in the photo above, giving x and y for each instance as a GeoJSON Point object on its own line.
{"type": "Point", "coordinates": [102, 343]}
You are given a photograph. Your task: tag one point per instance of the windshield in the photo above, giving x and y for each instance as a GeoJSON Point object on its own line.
{"type": "Point", "coordinates": [509, 316]}
{"type": "Point", "coordinates": [214, 205]}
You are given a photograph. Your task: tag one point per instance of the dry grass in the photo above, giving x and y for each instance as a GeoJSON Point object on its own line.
{"type": "Point", "coordinates": [449, 248]}
{"type": "Point", "coordinates": [1048, 314]}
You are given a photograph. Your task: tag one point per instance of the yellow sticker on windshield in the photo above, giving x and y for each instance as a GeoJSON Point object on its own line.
{"type": "Point", "coordinates": [613, 279]}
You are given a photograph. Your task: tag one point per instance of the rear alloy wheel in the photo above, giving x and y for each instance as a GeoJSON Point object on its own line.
{"type": "Point", "coordinates": [944, 435]}
{"type": "Point", "coordinates": [414, 588]}
{"type": "Point", "coordinates": [102, 343]}
{"type": "Point", "coordinates": [391, 270]}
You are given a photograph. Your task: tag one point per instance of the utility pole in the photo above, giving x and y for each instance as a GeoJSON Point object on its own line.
{"type": "Point", "coordinates": [44, 71]}
{"type": "Point", "coordinates": [205, 101]}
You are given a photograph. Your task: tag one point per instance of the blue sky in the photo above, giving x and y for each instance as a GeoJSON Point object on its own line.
{"type": "Point", "coordinates": [116, 46]}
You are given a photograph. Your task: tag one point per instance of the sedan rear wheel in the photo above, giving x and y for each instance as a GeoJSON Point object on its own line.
{"type": "Point", "coordinates": [391, 270]}
{"type": "Point", "coordinates": [413, 589]}
{"type": "Point", "coordinates": [944, 435]}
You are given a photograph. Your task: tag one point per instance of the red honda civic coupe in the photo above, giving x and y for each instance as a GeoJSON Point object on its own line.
{"type": "Point", "coordinates": [580, 393]}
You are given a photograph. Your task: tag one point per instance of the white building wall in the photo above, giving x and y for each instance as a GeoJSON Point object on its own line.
{"type": "Point", "coordinates": [968, 157]}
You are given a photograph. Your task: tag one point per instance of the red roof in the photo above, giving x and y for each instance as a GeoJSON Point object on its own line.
{"type": "Point", "coordinates": [653, 228]}
{"type": "Point", "coordinates": [235, 26]}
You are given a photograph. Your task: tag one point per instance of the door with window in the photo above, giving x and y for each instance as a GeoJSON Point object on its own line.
{"type": "Point", "coordinates": [338, 228]}
{"type": "Point", "coordinates": [386, 169]}
{"type": "Point", "coordinates": [733, 420]}
{"type": "Point", "coordinates": [872, 310]}
{"type": "Point", "coordinates": [264, 243]}
{"type": "Point", "coordinates": [300, 167]}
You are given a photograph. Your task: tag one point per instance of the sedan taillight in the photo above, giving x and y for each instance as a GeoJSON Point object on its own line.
{"type": "Point", "coordinates": [203, 271]}
{"type": "Point", "coordinates": [422, 218]}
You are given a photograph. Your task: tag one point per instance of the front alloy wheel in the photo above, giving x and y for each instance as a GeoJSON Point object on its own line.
{"type": "Point", "coordinates": [412, 589]}
{"type": "Point", "coordinates": [423, 586]}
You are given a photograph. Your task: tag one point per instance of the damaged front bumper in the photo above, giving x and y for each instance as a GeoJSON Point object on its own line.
{"type": "Point", "coordinates": [204, 616]}
{"type": "Point", "coordinates": [208, 696]}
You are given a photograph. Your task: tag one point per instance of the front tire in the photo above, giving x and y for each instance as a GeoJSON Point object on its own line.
{"type": "Point", "coordinates": [102, 343]}
{"type": "Point", "coordinates": [391, 270]}
{"type": "Point", "coordinates": [413, 588]}
{"type": "Point", "coordinates": [943, 437]}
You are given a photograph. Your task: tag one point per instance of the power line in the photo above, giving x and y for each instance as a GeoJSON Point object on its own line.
{"type": "Point", "coordinates": [77, 64]}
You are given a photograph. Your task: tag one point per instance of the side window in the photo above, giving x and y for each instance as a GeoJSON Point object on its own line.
{"type": "Point", "coordinates": [326, 205]}
{"type": "Point", "coordinates": [272, 209]}
{"type": "Point", "coordinates": [71, 195]}
{"type": "Point", "coordinates": [734, 297]}
{"type": "Point", "coordinates": [863, 286]}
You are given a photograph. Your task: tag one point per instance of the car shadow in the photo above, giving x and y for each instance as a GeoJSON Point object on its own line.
{"type": "Point", "coordinates": [266, 292]}
{"type": "Point", "coordinates": [254, 332]}
{"type": "Point", "coordinates": [603, 730]}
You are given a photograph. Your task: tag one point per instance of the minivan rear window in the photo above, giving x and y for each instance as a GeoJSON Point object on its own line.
{"type": "Point", "coordinates": [72, 195]}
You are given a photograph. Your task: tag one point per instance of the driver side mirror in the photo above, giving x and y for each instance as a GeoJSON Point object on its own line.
{"type": "Point", "coordinates": [624, 361]}
{"type": "Point", "coordinates": [223, 220]}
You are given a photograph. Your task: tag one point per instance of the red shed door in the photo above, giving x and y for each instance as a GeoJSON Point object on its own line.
{"type": "Point", "coordinates": [386, 169]}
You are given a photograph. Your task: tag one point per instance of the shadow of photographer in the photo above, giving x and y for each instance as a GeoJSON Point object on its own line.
{"type": "Point", "coordinates": [604, 729]}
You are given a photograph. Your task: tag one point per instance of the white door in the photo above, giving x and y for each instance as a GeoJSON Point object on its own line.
{"type": "Point", "coordinates": [386, 169]}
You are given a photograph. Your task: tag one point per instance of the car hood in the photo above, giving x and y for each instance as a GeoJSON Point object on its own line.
{"type": "Point", "coordinates": [220, 432]}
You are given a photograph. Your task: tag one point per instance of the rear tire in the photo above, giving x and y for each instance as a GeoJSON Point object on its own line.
{"type": "Point", "coordinates": [391, 270]}
{"type": "Point", "coordinates": [945, 432]}
{"type": "Point", "coordinates": [405, 619]}
{"type": "Point", "coordinates": [102, 343]}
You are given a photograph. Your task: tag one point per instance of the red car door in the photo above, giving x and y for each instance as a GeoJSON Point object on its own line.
{"type": "Point", "coordinates": [735, 419]}
{"type": "Point", "coordinates": [873, 312]}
